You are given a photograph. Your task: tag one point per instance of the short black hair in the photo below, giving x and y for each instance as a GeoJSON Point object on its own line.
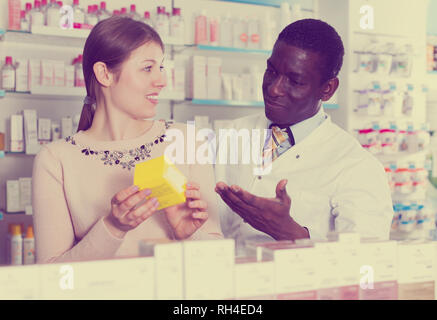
{"type": "Point", "coordinates": [319, 37]}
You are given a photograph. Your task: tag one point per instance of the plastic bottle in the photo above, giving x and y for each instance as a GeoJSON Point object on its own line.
{"type": "Point", "coordinates": [253, 33]}
{"type": "Point", "coordinates": [37, 16]}
{"type": "Point", "coordinates": [24, 23]}
{"type": "Point", "coordinates": [296, 12]}
{"type": "Point", "coordinates": [201, 28]}
{"type": "Point", "coordinates": [177, 25]}
{"type": "Point", "coordinates": [78, 15]}
{"type": "Point", "coordinates": [28, 10]}
{"type": "Point", "coordinates": [91, 18]}
{"type": "Point", "coordinates": [226, 31]}
{"type": "Point", "coordinates": [44, 7]}
{"type": "Point", "coordinates": [16, 246]}
{"type": "Point", "coordinates": [133, 13]}
{"type": "Point", "coordinates": [162, 23]}
{"type": "Point", "coordinates": [239, 30]}
{"type": "Point", "coordinates": [214, 31]}
{"type": "Point", "coordinates": [8, 243]}
{"type": "Point", "coordinates": [29, 247]}
{"type": "Point", "coordinates": [79, 80]}
{"type": "Point", "coordinates": [8, 75]}
{"type": "Point", "coordinates": [123, 12]}
{"type": "Point", "coordinates": [147, 19]}
{"type": "Point", "coordinates": [103, 13]}
{"type": "Point", "coordinates": [285, 16]}
{"type": "Point", "coordinates": [267, 28]}
{"type": "Point", "coordinates": [53, 15]}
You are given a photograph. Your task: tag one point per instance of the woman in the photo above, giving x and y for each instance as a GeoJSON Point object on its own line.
{"type": "Point", "coordinates": [85, 206]}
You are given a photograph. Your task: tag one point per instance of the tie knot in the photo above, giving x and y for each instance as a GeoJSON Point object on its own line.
{"type": "Point", "coordinates": [280, 126]}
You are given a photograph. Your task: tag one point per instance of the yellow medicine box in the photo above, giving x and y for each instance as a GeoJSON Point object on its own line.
{"type": "Point", "coordinates": [165, 181]}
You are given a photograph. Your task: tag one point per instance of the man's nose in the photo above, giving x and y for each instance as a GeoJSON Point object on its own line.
{"type": "Point", "coordinates": [276, 87]}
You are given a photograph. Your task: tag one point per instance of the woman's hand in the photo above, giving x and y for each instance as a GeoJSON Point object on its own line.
{"type": "Point", "coordinates": [128, 211]}
{"type": "Point", "coordinates": [186, 218]}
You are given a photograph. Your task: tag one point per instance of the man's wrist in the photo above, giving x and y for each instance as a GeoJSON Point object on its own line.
{"type": "Point", "coordinates": [292, 231]}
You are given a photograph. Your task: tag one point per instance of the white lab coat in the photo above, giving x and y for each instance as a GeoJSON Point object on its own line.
{"type": "Point", "coordinates": [328, 169]}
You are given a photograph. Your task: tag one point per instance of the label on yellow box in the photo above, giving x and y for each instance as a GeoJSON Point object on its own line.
{"type": "Point", "coordinates": [165, 181]}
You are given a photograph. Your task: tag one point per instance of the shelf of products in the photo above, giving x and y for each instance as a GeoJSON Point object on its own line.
{"type": "Point", "coordinates": [233, 50]}
{"type": "Point", "coordinates": [227, 103]}
{"type": "Point", "coordinates": [308, 4]}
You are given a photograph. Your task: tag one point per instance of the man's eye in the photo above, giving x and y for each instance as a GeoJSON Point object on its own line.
{"type": "Point", "coordinates": [270, 71]}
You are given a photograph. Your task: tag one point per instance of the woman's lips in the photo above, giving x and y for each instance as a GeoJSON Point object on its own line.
{"type": "Point", "coordinates": [153, 98]}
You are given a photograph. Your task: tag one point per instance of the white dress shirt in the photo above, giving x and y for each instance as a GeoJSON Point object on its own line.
{"type": "Point", "coordinates": [326, 169]}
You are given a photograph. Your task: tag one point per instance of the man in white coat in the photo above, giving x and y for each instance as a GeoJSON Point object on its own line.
{"type": "Point", "coordinates": [321, 179]}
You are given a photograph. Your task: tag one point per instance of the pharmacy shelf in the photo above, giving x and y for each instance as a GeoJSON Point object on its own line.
{"type": "Point", "coordinates": [402, 156]}
{"type": "Point", "coordinates": [331, 106]}
{"type": "Point", "coordinates": [234, 50]}
{"type": "Point", "coordinates": [306, 4]}
{"type": "Point", "coordinates": [2, 93]}
{"type": "Point", "coordinates": [230, 103]}
{"type": "Point", "coordinates": [62, 37]}
{"type": "Point", "coordinates": [73, 93]}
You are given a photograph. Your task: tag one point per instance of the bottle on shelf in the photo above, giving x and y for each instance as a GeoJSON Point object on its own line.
{"type": "Point", "coordinates": [44, 7]}
{"type": "Point", "coordinates": [240, 33]}
{"type": "Point", "coordinates": [133, 13]}
{"type": "Point", "coordinates": [16, 246]}
{"type": "Point", "coordinates": [116, 13]}
{"type": "Point", "coordinates": [103, 13]}
{"type": "Point", "coordinates": [37, 18]}
{"type": "Point", "coordinates": [91, 18]}
{"type": "Point", "coordinates": [29, 247]}
{"type": "Point", "coordinates": [226, 31]}
{"type": "Point", "coordinates": [177, 25]}
{"type": "Point", "coordinates": [24, 22]}
{"type": "Point", "coordinates": [8, 75]}
{"type": "Point", "coordinates": [123, 12]}
{"type": "Point", "coordinates": [78, 15]}
{"type": "Point", "coordinates": [162, 23]}
{"type": "Point", "coordinates": [253, 30]}
{"type": "Point", "coordinates": [147, 19]}
{"type": "Point", "coordinates": [28, 10]}
{"type": "Point", "coordinates": [79, 80]}
{"type": "Point", "coordinates": [53, 14]}
{"type": "Point", "coordinates": [201, 28]}
{"type": "Point", "coordinates": [214, 30]}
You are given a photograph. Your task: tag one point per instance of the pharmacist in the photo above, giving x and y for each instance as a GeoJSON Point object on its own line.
{"type": "Point", "coordinates": [321, 179]}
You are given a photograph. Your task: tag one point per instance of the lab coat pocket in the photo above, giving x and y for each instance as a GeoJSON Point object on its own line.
{"type": "Point", "coordinates": [313, 211]}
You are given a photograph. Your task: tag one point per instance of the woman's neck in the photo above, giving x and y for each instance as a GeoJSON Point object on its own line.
{"type": "Point", "coordinates": [115, 125]}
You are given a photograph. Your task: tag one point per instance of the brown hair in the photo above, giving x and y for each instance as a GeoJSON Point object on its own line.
{"type": "Point", "coordinates": [111, 41]}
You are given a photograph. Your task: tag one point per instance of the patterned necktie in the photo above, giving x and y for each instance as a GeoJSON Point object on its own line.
{"type": "Point", "coordinates": [280, 140]}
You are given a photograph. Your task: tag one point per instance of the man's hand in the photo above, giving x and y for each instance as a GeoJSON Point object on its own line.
{"type": "Point", "coordinates": [269, 215]}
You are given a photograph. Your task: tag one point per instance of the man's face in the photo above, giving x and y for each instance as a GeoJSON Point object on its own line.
{"type": "Point", "coordinates": [292, 85]}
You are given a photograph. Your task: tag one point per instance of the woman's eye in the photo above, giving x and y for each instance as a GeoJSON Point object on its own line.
{"type": "Point", "coordinates": [148, 69]}
{"type": "Point", "coordinates": [162, 68]}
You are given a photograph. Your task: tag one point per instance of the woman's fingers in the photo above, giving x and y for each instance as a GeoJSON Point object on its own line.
{"type": "Point", "coordinates": [200, 215]}
{"type": "Point", "coordinates": [132, 201]}
{"type": "Point", "coordinates": [146, 209]}
{"type": "Point", "coordinates": [192, 186]}
{"type": "Point", "coordinates": [192, 194]}
{"type": "Point", "coordinates": [198, 204]}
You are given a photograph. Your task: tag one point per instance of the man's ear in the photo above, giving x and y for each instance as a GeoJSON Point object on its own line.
{"type": "Point", "coordinates": [329, 89]}
{"type": "Point", "coordinates": [103, 75]}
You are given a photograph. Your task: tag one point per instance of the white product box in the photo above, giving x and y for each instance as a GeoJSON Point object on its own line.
{"type": "Point", "coordinates": [246, 87]}
{"type": "Point", "coordinates": [47, 73]}
{"type": "Point", "coordinates": [254, 280]}
{"type": "Point", "coordinates": [295, 271]}
{"type": "Point", "coordinates": [56, 131]}
{"type": "Point", "coordinates": [214, 78]}
{"type": "Point", "coordinates": [329, 254]}
{"type": "Point", "coordinates": [44, 129]}
{"type": "Point", "coordinates": [59, 73]}
{"type": "Point", "coordinates": [209, 269]}
{"type": "Point", "coordinates": [197, 78]}
{"type": "Point", "coordinates": [179, 76]}
{"type": "Point", "coordinates": [20, 283]}
{"type": "Point", "coordinates": [16, 139]}
{"type": "Point", "coordinates": [378, 269]}
{"type": "Point", "coordinates": [12, 196]}
{"type": "Point", "coordinates": [25, 193]}
{"type": "Point", "coordinates": [31, 131]}
{"type": "Point", "coordinates": [22, 75]}
{"type": "Point", "coordinates": [67, 127]}
{"type": "Point", "coordinates": [169, 271]}
{"type": "Point", "coordinates": [34, 73]}
{"type": "Point", "coordinates": [69, 76]}
{"type": "Point", "coordinates": [102, 279]}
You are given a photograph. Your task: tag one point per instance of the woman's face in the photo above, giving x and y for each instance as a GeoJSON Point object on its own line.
{"type": "Point", "coordinates": [141, 79]}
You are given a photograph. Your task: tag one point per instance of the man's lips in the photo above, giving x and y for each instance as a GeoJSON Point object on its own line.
{"type": "Point", "coordinates": [273, 104]}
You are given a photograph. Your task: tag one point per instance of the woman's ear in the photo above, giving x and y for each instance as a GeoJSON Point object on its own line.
{"type": "Point", "coordinates": [329, 89]}
{"type": "Point", "coordinates": [103, 75]}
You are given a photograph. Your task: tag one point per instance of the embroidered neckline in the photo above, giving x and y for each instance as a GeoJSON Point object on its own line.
{"type": "Point", "coordinates": [124, 158]}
